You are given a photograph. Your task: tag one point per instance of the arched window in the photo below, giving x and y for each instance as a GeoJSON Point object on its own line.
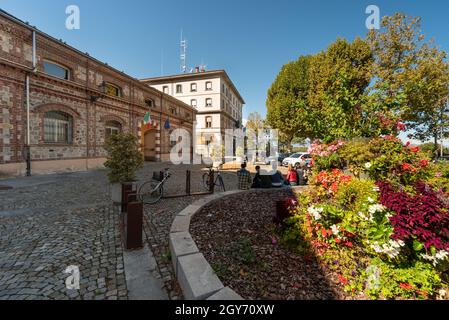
{"type": "Point", "coordinates": [112, 127]}
{"type": "Point", "coordinates": [58, 127]}
{"type": "Point", "coordinates": [56, 70]}
{"type": "Point", "coordinates": [112, 90]}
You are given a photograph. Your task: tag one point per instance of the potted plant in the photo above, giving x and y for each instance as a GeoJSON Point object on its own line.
{"type": "Point", "coordinates": [123, 161]}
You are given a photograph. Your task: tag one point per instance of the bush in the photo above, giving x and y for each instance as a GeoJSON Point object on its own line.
{"type": "Point", "coordinates": [124, 157]}
{"type": "Point", "coordinates": [417, 280]}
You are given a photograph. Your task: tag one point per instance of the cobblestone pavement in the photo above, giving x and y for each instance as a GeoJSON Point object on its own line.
{"type": "Point", "coordinates": [52, 222]}
{"type": "Point", "coordinates": [48, 223]}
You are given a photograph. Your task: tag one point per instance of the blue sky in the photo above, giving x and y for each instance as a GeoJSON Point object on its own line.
{"type": "Point", "coordinates": [250, 39]}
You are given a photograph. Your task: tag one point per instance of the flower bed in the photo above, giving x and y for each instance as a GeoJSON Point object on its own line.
{"type": "Point", "coordinates": [239, 240]}
{"type": "Point", "coordinates": [378, 215]}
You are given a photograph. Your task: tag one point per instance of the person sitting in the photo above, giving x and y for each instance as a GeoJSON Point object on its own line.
{"type": "Point", "coordinates": [292, 177]}
{"type": "Point", "coordinates": [277, 180]}
{"type": "Point", "coordinates": [244, 178]}
{"type": "Point", "coordinates": [257, 181]}
{"type": "Point", "coordinates": [301, 173]}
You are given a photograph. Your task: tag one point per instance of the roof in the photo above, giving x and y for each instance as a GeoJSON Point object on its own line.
{"type": "Point", "coordinates": [192, 76]}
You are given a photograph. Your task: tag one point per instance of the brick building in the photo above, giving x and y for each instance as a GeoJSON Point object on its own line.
{"type": "Point", "coordinates": [74, 103]}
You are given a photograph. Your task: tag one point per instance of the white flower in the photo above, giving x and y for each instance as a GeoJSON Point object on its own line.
{"type": "Point", "coordinates": [315, 212]}
{"type": "Point", "coordinates": [375, 208]}
{"type": "Point", "coordinates": [368, 165]}
{"type": "Point", "coordinates": [371, 200]}
{"type": "Point", "coordinates": [335, 230]}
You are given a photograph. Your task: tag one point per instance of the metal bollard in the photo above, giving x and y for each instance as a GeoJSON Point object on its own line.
{"type": "Point", "coordinates": [127, 189]}
{"type": "Point", "coordinates": [188, 182]}
{"type": "Point", "coordinates": [133, 223]}
{"type": "Point", "coordinates": [211, 181]}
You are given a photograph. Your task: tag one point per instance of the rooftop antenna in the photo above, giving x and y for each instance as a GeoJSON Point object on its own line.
{"type": "Point", "coordinates": [162, 62]}
{"type": "Point", "coordinates": [202, 66]}
{"type": "Point", "coordinates": [183, 54]}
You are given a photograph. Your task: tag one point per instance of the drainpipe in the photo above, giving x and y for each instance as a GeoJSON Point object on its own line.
{"type": "Point", "coordinates": [28, 137]}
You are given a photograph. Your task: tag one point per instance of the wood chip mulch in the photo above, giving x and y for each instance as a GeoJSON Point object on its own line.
{"type": "Point", "coordinates": [237, 237]}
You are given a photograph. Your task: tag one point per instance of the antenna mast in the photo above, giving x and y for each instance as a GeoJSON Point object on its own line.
{"type": "Point", "coordinates": [183, 54]}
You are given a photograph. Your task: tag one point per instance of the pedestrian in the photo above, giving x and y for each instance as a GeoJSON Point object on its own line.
{"type": "Point", "coordinates": [244, 178]}
{"type": "Point", "coordinates": [292, 177]}
{"type": "Point", "coordinates": [257, 182]}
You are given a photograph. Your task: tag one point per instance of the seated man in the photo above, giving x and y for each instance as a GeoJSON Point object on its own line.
{"type": "Point", "coordinates": [244, 178]}
{"type": "Point", "coordinates": [257, 181]}
{"type": "Point", "coordinates": [277, 180]}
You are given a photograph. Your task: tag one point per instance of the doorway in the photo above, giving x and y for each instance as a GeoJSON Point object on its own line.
{"type": "Point", "coordinates": [150, 145]}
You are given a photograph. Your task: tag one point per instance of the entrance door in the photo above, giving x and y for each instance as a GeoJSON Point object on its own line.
{"type": "Point", "coordinates": [150, 145]}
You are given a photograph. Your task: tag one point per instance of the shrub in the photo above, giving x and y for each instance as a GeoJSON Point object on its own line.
{"type": "Point", "coordinates": [124, 157]}
{"type": "Point", "coordinates": [355, 193]}
{"type": "Point", "coordinates": [417, 280]}
{"type": "Point", "coordinates": [422, 218]}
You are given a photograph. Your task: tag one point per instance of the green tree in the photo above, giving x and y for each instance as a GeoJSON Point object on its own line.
{"type": "Point", "coordinates": [337, 96]}
{"type": "Point", "coordinates": [412, 72]}
{"type": "Point", "coordinates": [287, 101]}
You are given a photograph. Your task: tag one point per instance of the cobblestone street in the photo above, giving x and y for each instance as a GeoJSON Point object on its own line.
{"type": "Point", "coordinates": [48, 223]}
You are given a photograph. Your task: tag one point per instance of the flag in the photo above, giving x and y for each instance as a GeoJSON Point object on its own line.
{"type": "Point", "coordinates": [147, 120]}
{"type": "Point", "coordinates": [167, 124]}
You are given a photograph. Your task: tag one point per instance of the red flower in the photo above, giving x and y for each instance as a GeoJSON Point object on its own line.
{"type": "Point", "coordinates": [406, 286]}
{"type": "Point", "coordinates": [348, 243]}
{"type": "Point", "coordinates": [414, 149]}
{"type": "Point", "coordinates": [424, 163]}
{"type": "Point", "coordinates": [406, 166]}
{"type": "Point", "coordinates": [337, 240]}
{"type": "Point", "coordinates": [342, 279]}
{"type": "Point", "coordinates": [407, 144]}
{"type": "Point", "coordinates": [401, 126]}
{"type": "Point", "coordinates": [324, 232]}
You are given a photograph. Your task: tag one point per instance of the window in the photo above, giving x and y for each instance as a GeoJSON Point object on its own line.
{"type": "Point", "coordinates": [173, 111]}
{"type": "Point", "coordinates": [56, 70]}
{"type": "Point", "coordinates": [208, 85]}
{"type": "Point", "coordinates": [193, 103]}
{"type": "Point", "coordinates": [112, 90]}
{"type": "Point", "coordinates": [112, 127]}
{"type": "Point", "coordinates": [208, 122]}
{"type": "Point", "coordinates": [165, 89]}
{"type": "Point", "coordinates": [222, 88]}
{"type": "Point", "coordinates": [58, 127]}
{"type": "Point", "coordinates": [209, 102]}
{"type": "Point", "coordinates": [149, 103]}
{"type": "Point", "coordinates": [193, 87]}
{"type": "Point", "coordinates": [178, 88]}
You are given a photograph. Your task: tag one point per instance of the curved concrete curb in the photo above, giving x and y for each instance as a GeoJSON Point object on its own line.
{"type": "Point", "coordinates": [196, 277]}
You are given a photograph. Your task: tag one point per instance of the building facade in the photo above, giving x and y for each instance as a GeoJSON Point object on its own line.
{"type": "Point", "coordinates": [71, 102]}
{"type": "Point", "coordinates": [218, 103]}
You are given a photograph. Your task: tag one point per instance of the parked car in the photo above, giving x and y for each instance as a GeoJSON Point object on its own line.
{"type": "Point", "coordinates": [297, 159]}
{"type": "Point", "coordinates": [283, 156]}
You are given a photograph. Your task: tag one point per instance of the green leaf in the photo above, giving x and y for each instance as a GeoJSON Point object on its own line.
{"type": "Point", "coordinates": [417, 246]}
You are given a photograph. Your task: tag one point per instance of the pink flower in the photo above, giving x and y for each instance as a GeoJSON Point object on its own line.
{"type": "Point", "coordinates": [438, 174]}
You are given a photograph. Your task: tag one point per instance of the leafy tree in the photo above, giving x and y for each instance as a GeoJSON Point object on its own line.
{"type": "Point", "coordinates": [412, 72]}
{"type": "Point", "coordinates": [287, 101]}
{"type": "Point", "coordinates": [337, 96]}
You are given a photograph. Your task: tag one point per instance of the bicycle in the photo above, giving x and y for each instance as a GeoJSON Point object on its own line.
{"type": "Point", "coordinates": [219, 182]}
{"type": "Point", "coordinates": [152, 191]}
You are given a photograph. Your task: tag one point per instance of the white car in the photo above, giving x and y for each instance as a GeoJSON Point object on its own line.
{"type": "Point", "coordinates": [297, 159]}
